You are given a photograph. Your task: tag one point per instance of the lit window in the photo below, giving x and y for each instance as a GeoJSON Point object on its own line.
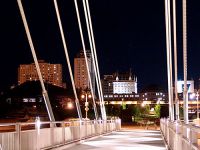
{"type": "Point", "coordinates": [32, 100]}
{"type": "Point", "coordinates": [25, 100]}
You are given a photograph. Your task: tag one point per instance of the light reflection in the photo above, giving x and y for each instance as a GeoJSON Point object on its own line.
{"type": "Point", "coordinates": [140, 140]}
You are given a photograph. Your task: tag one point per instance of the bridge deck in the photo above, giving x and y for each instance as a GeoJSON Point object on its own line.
{"type": "Point", "coordinates": [125, 140]}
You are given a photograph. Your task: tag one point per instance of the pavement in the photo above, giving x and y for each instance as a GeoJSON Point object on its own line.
{"type": "Point", "coordinates": [126, 139]}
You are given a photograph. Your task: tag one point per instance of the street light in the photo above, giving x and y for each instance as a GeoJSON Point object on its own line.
{"type": "Point", "coordinates": [143, 104]}
{"type": "Point", "coordinates": [69, 105]}
{"type": "Point", "coordinates": [86, 96]}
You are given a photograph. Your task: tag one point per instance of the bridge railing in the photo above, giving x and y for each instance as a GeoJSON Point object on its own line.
{"type": "Point", "coordinates": [45, 135]}
{"type": "Point", "coordinates": [180, 136]}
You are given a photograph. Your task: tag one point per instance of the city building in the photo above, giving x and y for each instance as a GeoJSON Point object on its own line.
{"type": "Point", "coordinates": [150, 95]}
{"type": "Point", "coordinates": [154, 94]}
{"type": "Point", "coordinates": [107, 84]}
{"type": "Point", "coordinates": [154, 97]}
{"type": "Point", "coordinates": [120, 87]}
{"type": "Point", "coordinates": [119, 83]}
{"type": "Point", "coordinates": [27, 100]}
{"type": "Point", "coordinates": [51, 73]}
{"type": "Point", "coordinates": [190, 86]}
{"type": "Point", "coordinates": [192, 95]}
{"type": "Point", "coordinates": [80, 71]}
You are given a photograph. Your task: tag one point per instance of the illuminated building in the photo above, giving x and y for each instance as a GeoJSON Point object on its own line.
{"type": "Point", "coordinates": [51, 73]}
{"type": "Point", "coordinates": [80, 71]}
{"type": "Point", "coordinates": [124, 83]}
{"type": "Point", "coordinates": [190, 86]}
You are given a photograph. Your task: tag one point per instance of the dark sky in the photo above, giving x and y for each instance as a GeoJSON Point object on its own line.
{"type": "Point", "coordinates": [128, 33]}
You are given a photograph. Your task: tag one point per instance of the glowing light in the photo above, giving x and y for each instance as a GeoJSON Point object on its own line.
{"type": "Point", "coordinates": [89, 96]}
{"type": "Point", "coordinates": [69, 105]}
{"type": "Point", "coordinates": [152, 109]}
{"type": "Point", "coordinates": [192, 95]}
{"type": "Point", "coordinates": [143, 104]}
{"type": "Point", "coordinates": [82, 96]}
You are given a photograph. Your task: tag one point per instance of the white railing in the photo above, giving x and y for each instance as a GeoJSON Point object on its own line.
{"type": "Point", "coordinates": [45, 135]}
{"type": "Point", "coordinates": [180, 136]}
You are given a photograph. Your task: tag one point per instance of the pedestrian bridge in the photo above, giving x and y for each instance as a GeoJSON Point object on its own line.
{"type": "Point", "coordinates": [94, 135]}
{"type": "Point", "coordinates": [98, 135]}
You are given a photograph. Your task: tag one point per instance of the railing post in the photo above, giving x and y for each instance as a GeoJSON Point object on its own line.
{"type": "Point", "coordinates": [63, 131]}
{"type": "Point", "coordinates": [98, 127]}
{"type": "Point", "coordinates": [91, 126]}
{"type": "Point", "coordinates": [80, 126]}
{"type": "Point", "coordinates": [52, 132]}
{"type": "Point", "coordinates": [106, 126]}
{"type": "Point", "coordinates": [37, 136]}
{"type": "Point", "coordinates": [168, 132]}
{"type": "Point", "coordinates": [85, 126]}
{"type": "Point", "coordinates": [18, 137]}
{"type": "Point", "coordinates": [101, 123]}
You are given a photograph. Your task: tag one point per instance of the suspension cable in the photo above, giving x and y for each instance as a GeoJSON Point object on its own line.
{"type": "Point", "coordinates": [92, 52]}
{"type": "Point", "coordinates": [85, 54]}
{"type": "Point", "coordinates": [175, 59]}
{"type": "Point", "coordinates": [168, 55]}
{"type": "Point", "coordinates": [170, 60]}
{"type": "Point", "coordinates": [185, 61]}
{"type": "Point", "coordinates": [68, 60]}
{"type": "Point", "coordinates": [28, 34]}
{"type": "Point", "coordinates": [96, 59]}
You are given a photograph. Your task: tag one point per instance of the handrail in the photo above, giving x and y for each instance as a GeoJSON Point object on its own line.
{"type": "Point", "coordinates": [179, 135]}
{"type": "Point", "coordinates": [45, 135]}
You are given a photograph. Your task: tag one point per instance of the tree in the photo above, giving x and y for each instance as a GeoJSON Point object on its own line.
{"type": "Point", "coordinates": [123, 105]}
{"type": "Point", "coordinates": [157, 110]}
{"type": "Point", "coordinates": [145, 110]}
{"type": "Point", "coordinates": [181, 113]}
{"type": "Point", "coordinates": [136, 112]}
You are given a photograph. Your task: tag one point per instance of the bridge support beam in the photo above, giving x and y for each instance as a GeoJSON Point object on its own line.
{"type": "Point", "coordinates": [44, 92]}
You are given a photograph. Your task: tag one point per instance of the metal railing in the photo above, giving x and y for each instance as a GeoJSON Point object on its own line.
{"type": "Point", "coordinates": [180, 136]}
{"type": "Point", "coordinates": [46, 135]}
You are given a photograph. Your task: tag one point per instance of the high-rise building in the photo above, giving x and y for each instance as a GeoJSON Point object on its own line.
{"type": "Point", "coordinates": [51, 73]}
{"type": "Point", "coordinates": [80, 71]}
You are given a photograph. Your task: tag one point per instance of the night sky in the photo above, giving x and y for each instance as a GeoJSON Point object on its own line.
{"type": "Point", "coordinates": [128, 33]}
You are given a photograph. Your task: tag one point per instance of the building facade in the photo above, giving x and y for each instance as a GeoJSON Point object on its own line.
{"type": "Point", "coordinates": [154, 97]}
{"type": "Point", "coordinates": [51, 73]}
{"type": "Point", "coordinates": [80, 71]}
{"type": "Point", "coordinates": [190, 86]}
{"type": "Point", "coordinates": [124, 83]}
{"type": "Point", "coordinates": [122, 88]}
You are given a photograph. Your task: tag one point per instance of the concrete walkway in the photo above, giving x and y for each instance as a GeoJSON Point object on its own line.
{"type": "Point", "coordinates": [125, 140]}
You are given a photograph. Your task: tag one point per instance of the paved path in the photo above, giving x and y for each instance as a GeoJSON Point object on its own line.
{"type": "Point", "coordinates": [125, 140]}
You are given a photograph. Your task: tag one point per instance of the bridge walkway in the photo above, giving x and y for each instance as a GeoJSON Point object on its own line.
{"type": "Point", "coordinates": [125, 139]}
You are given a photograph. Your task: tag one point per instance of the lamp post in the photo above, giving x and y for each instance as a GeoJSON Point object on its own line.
{"type": "Point", "coordinates": [86, 96]}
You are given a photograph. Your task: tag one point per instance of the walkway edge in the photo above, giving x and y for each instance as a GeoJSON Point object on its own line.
{"type": "Point", "coordinates": [68, 145]}
{"type": "Point", "coordinates": [165, 142]}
